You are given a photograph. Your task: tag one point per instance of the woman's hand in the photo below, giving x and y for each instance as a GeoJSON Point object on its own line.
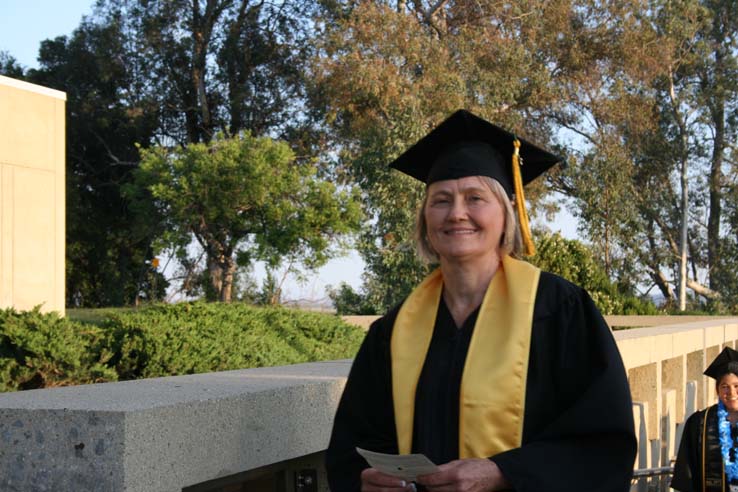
{"type": "Point", "coordinates": [468, 475]}
{"type": "Point", "coordinates": [373, 480]}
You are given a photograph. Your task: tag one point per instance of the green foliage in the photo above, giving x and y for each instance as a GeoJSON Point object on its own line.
{"type": "Point", "coordinates": [347, 301]}
{"type": "Point", "coordinates": [631, 89]}
{"type": "Point", "coordinates": [220, 65]}
{"type": "Point", "coordinates": [726, 277]}
{"type": "Point", "coordinates": [95, 316]}
{"type": "Point", "coordinates": [107, 113]}
{"type": "Point", "coordinates": [244, 198]}
{"type": "Point", "coordinates": [656, 98]}
{"type": "Point", "coordinates": [9, 66]}
{"type": "Point", "coordinates": [189, 338]}
{"type": "Point", "coordinates": [628, 88]}
{"type": "Point", "coordinates": [575, 262]}
{"type": "Point", "coordinates": [568, 258]}
{"type": "Point", "coordinates": [43, 350]}
{"type": "Point", "coordinates": [386, 74]}
{"type": "Point", "coordinates": [159, 71]}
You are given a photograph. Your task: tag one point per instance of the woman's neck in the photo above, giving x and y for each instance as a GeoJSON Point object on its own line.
{"type": "Point", "coordinates": [464, 285]}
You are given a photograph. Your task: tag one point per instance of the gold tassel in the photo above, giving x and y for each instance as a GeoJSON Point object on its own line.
{"type": "Point", "coordinates": [530, 248]}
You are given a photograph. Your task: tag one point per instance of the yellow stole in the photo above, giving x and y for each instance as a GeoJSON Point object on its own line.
{"type": "Point", "coordinates": [496, 369]}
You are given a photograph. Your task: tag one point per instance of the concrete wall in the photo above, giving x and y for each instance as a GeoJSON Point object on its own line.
{"type": "Point", "coordinates": [665, 367]}
{"type": "Point", "coordinates": [32, 132]}
{"type": "Point", "coordinates": [256, 429]}
{"type": "Point", "coordinates": [166, 434]}
{"type": "Point", "coordinates": [614, 321]}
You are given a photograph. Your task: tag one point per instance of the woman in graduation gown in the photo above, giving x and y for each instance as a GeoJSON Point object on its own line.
{"type": "Point", "coordinates": [506, 377]}
{"type": "Point", "coordinates": [707, 460]}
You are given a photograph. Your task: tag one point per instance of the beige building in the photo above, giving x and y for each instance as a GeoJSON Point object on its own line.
{"type": "Point", "coordinates": [32, 196]}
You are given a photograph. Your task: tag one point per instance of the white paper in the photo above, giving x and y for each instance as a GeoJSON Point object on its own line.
{"type": "Point", "coordinates": [404, 466]}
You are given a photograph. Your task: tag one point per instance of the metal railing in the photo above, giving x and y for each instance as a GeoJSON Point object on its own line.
{"type": "Point", "coordinates": [652, 479]}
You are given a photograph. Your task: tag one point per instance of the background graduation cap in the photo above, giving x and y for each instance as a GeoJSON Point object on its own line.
{"type": "Point", "coordinates": [726, 362]}
{"type": "Point", "coordinates": [466, 145]}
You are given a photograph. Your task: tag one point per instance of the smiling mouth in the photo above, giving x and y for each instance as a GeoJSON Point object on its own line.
{"type": "Point", "coordinates": [459, 232]}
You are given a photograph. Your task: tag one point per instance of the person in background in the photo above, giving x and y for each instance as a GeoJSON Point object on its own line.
{"type": "Point", "coordinates": [505, 376]}
{"type": "Point", "coordinates": [707, 460]}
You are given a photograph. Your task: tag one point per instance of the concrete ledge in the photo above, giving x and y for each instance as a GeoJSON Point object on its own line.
{"type": "Point", "coordinates": [168, 433]}
{"type": "Point", "coordinates": [612, 320]}
{"type": "Point", "coordinates": [658, 320]}
{"type": "Point", "coordinates": [642, 346]}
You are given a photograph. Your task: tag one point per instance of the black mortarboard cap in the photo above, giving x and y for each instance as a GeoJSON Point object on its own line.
{"type": "Point", "coordinates": [467, 145]}
{"type": "Point", "coordinates": [725, 362]}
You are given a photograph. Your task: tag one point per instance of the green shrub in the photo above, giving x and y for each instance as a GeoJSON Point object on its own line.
{"type": "Point", "coordinates": [347, 301]}
{"type": "Point", "coordinates": [572, 260]}
{"type": "Point", "coordinates": [43, 350]}
{"type": "Point", "coordinates": [96, 316]}
{"type": "Point", "coordinates": [200, 337]}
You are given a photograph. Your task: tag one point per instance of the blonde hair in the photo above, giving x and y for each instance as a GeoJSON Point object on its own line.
{"type": "Point", "coordinates": [511, 242]}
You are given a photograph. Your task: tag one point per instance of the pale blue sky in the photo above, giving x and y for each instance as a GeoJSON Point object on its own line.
{"type": "Point", "coordinates": [25, 23]}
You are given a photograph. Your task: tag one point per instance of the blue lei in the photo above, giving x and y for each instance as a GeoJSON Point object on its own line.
{"type": "Point", "coordinates": [726, 443]}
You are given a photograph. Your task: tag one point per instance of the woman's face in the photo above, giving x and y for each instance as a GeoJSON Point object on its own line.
{"type": "Point", "coordinates": [465, 219]}
{"type": "Point", "coordinates": [728, 391]}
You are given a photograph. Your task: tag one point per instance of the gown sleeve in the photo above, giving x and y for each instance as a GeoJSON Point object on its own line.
{"type": "Point", "coordinates": [365, 414]}
{"type": "Point", "coordinates": [578, 432]}
{"type": "Point", "coordinates": [687, 476]}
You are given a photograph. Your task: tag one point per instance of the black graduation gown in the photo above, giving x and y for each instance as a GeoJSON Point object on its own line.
{"type": "Point", "coordinates": [578, 430]}
{"type": "Point", "coordinates": [688, 467]}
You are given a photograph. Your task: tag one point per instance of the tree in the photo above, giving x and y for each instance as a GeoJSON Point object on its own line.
{"type": "Point", "coordinates": [575, 262]}
{"type": "Point", "coordinates": [692, 89]}
{"type": "Point", "coordinates": [718, 83]}
{"type": "Point", "coordinates": [108, 252]}
{"type": "Point", "coordinates": [386, 73]}
{"type": "Point", "coordinates": [9, 66]}
{"type": "Point", "coordinates": [161, 71]}
{"type": "Point", "coordinates": [218, 65]}
{"type": "Point", "coordinates": [680, 25]}
{"type": "Point", "coordinates": [598, 65]}
{"type": "Point", "coordinates": [215, 66]}
{"type": "Point", "coordinates": [347, 301]}
{"type": "Point", "coordinates": [725, 274]}
{"type": "Point", "coordinates": [568, 258]}
{"type": "Point", "coordinates": [644, 103]}
{"type": "Point", "coordinates": [243, 199]}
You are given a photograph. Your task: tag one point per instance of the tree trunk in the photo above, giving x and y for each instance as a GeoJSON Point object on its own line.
{"type": "Point", "coordinates": [237, 60]}
{"type": "Point", "coordinates": [202, 31]}
{"type": "Point", "coordinates": [663, 285]}
{"type": "Point", "coordinates": [654, 266]}
{"type": "Point", "coordinates": [683, 161]}
{"type": "Point", "coordinates": [683, 241]}
{"type": "Point", "coordinates": [228, 267]}
{"type": "Point", "coordinates": [200, 40]}
{"type": "Point", "coordinates": [703, 291]}
{"type": "Point", "coordinates": [713, 221]}
{"type": "Point", "coordinates": [719, 88]}
{"type": "Point", "coordinates": [715, 184]}
{"type": "Point", "coordinates": [607, 234]}
{"type": "Point", "coordinates": [215, 271]}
